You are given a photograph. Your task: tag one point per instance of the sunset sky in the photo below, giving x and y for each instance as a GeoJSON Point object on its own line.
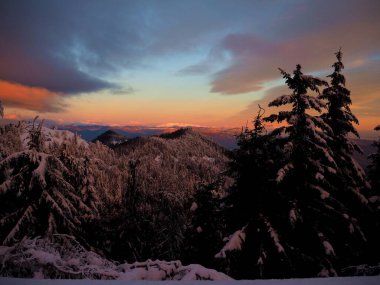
{"type": "Point", "coordinates": [197, 62]}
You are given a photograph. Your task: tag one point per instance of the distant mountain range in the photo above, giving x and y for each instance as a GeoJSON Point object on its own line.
{"type": "Point", "coordinates": [224, 137]}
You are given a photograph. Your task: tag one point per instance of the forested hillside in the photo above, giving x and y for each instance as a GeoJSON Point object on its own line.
{"type": "Point", "coordinates": [137, 198]}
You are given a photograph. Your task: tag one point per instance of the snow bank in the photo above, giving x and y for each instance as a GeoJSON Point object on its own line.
{"type": "Point", "coordinates": [373, 280]}
{"type": "Point", "coordinates": [48, 258]}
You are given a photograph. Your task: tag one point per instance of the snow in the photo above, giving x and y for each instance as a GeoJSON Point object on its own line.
{"type": "Point", "coordinates": [282, 100]}
{"type": "Point", "coordinates": [40, 171]}
{"type": "Point", "coordinates": [273, 234]}
{"type": "Point", "coordinates": [283, 171]}
{"type": "Point", "coordinates": [52, 136]}
{"type": "Point", "coordinates": [209, 159]}
{"type": "Point", "coordinates": [374, 199]}
{"type": "Point", "coordinates": [234, 242]}
{"type": "Point", "coordinates": [319, 176]}
{"type": "Point", "coordinates": [360, 196]}
{"type": "Point", "coordinates": [329, 250]}
{"type": "Point", "coordinates": [5, 250]}
{"type": "Point", "coordinates": [362, 280]}
{"type": "Point", "coordinates": [293, 216]}
{"type": "Point", "coordinates": [45, 258]}
{"type": "Point", "coordinates": [351, 228]}
{"type": "Point", "coordinates": [41, 256]}
{"type": "Point", "coordinates": [324, 194]}
{"type": "Point", "coordinates": [194, 206]}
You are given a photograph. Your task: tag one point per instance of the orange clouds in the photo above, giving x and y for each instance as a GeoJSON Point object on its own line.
{"type": "Point", "coordinates": [11, 117]}
{"type": "Point", "coordinates": [31, 98]}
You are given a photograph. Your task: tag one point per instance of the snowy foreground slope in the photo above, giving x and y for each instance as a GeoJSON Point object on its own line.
{"type": "Point", "coordinates": [65, 258]}
{"type": "Point", "coordinates": [367, 280]}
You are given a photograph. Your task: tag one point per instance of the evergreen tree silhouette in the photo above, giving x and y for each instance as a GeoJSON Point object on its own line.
{"type": "Point", "coordinates": [350, 178]}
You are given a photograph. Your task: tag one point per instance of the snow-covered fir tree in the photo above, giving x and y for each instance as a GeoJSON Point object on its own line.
{"type": "Point", "coordinates": [350, 178]}
{"type": "Point", "coordinates": [253, 163]}
{"type": "Point", "coordinates": [38, 192]}
{"type": "Point", "coordinates": [374, 167]}
{"type": "Point", "coordinates": [350, 185]}
{"type": "Point", "coordinates": [303, 229]}
{"type": "Point", "coordinates": [323, 231]}
{"type": "Point", "coordinates": [374, 199]}
{"type": "Point", "coordinates": [253, 168]}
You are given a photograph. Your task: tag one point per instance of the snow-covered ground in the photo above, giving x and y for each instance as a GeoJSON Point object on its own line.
{"type": "Point", "coordinates": [51, 136]}
{"type": "Point", "coordinates": [366, 280]}
{"type": "Point", "coordinates": [44, 259]}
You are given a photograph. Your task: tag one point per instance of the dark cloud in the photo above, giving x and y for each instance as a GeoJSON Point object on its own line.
{"type": "Point", "coordinates": [64, 46]}
{"type": "Point", "coordinates": [77, 46]}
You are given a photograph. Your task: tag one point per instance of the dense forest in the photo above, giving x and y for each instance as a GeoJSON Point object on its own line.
{"type": "Point", "coordinates": [289, 201]}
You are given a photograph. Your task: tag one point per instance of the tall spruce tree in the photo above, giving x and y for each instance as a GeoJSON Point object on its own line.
{"type": "Point", "coordinates": [350, 185]}
{"type": "Point", "coordinates": [350, 176]}
{"type": "Point", "coordinates": [374, 199]}
{"type": "Point", "coordinates": [307, 156]}
{"type": "Point", "coordinates": [253, 168]}
{"type": "Point", "coordinates": [314, 182]}
{"type": "Point", "coordinates": [306, 213]}
{"type": "Point", "coordinates": [374, 167]}
{"type": "Point", "coordinates": [305, 227]}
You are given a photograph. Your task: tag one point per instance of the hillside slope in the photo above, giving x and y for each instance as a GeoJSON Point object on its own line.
{"type": "Point", "coordinates": [111, 138]}
{"type": "Point", "coordinates": [183, 157]}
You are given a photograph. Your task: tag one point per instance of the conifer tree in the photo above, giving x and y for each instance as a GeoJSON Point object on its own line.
{"type": "Point", "coordinates": [374, 199]}
{"type": "Point", "coordinates": [39, 194]}
{"type": "Point", "coordinates": [1, 110]}
{"type": "Point", "coordinates": [323, 233]}
{"type": "Point", "coordinates": [340, 118]}
{"type": "Point", "coordinates": [251, 167]}
{"type": "Point", "coordinates": [307, 157]}
{"type": "Point", "coordinates": [374, 167]}
{"type": "Point", "coordinates": [304, 228]}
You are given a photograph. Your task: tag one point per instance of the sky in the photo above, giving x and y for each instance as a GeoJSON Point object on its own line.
{"type": "Point", "coordinates": [199, 62]}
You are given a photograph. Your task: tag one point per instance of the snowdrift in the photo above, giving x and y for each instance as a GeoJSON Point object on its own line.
{"type": "Point", "coordinates": [62, 257]}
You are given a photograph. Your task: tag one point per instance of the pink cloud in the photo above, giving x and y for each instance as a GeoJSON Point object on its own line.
{"type": "Point", "coordinates": [30, 98]}
{"type": "Point", "coordinates": [254, 60]}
